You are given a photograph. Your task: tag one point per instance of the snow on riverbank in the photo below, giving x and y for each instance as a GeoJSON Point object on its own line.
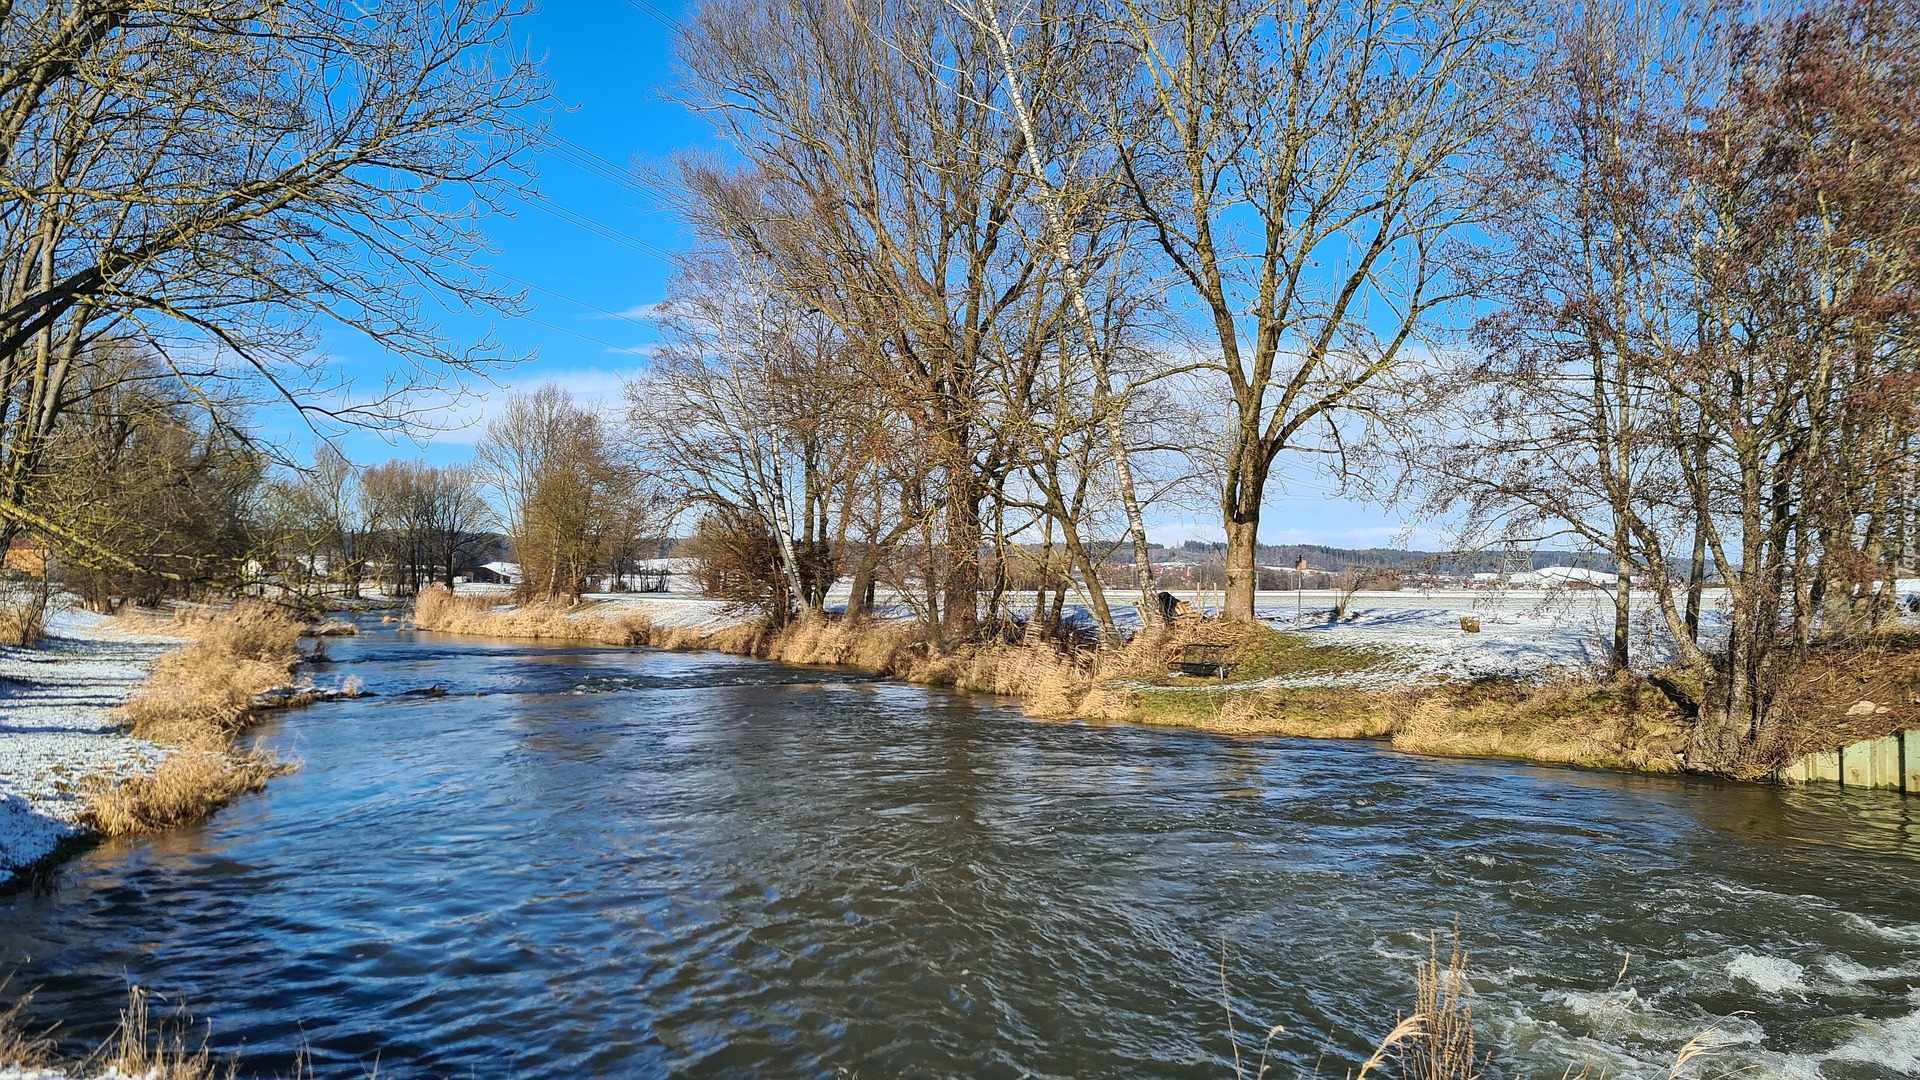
{"type": "Point", "coordinates": [1523, 633]}
{"type": "Point", "coordinates": [56, 726]}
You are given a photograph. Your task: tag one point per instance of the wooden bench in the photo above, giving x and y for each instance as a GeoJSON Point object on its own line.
{"type": "Point", "coordinates": [1205, 661]}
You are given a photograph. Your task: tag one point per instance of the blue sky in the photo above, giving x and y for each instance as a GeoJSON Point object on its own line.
{"type": "Point", "coordinates": [591, 261]}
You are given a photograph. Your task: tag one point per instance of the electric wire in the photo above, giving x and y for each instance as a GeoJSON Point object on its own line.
{"type": "Point", "coordinates": [662, 17]}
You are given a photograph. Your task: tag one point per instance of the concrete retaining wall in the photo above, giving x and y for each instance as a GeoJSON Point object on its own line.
{"type": "Point", "coordinates": [1892, 763]}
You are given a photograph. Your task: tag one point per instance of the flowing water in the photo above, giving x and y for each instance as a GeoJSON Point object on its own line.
{"type": "Point", "coordinates": [611, 862]}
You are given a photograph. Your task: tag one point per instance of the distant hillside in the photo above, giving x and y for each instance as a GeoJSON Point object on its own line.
{"type": "Point", "coordinates": [1324, 557]}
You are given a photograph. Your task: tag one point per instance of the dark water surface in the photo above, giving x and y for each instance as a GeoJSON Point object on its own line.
{"type": "Point", "coordinates": [630, 863]}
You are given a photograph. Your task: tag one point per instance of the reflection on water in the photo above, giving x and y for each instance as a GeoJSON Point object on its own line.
{"type": "Point", "coordinates": [605, 862]}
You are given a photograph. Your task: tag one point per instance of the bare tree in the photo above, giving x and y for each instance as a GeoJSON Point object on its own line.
{"type": "Point", "coordinates": [1708, 336]}
{"type": "Point", "coordinates": [755, 408]}
{"type": "Point", "coordinates": [216, 180]}
{"type": "Point", "coordinates": [314, 523]}
{"type": "Point", "coordinates": [567, 491]}
{"type": "Point", "coordinates": [1303, 164]}
{"type": "Point", "coordinates": [427, 520]}
{"type": "Point", "coordinates": [882, 183]}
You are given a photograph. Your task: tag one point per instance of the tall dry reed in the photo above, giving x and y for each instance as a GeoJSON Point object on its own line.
{"type": "Point", "coordinates": [184, 789]}
{"type": "Point", "coordinates": [197, 696]}
{"type": "Point", "coordinates": [155, 1051]}
{"type": "Point", "coordinates": [197, 699]}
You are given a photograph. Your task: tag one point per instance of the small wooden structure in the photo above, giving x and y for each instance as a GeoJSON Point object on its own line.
{"type": "Point", "coordinates": [1205, 661]}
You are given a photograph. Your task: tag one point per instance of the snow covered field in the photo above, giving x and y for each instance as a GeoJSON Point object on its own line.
{"type": "Point", "coordinates": [56, 726]}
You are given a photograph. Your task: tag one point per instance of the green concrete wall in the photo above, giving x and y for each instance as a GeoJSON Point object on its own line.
{"type": "Point", "coordinates": [1892, 764]}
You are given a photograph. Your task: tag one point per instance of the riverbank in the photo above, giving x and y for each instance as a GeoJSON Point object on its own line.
{"type": "Point", "coordinates": [1523, 684]}
{"type": "Point", "coordinates": [897, 860]}
{"type": "Point", "coordinates": [1299, 683]}
{"type": "Point", "coordinates": [59, 724]}
{"type": "Point", "coordinates": [119, 726]}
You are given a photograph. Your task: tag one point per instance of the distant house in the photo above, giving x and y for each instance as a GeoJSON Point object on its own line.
{"type": "Point", "coordinates": [498, 573]}
{"type": "Point", "coordinates": [27, 556]}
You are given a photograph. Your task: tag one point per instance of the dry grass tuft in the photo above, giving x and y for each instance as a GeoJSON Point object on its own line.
{"type": "Point", "coordinates": [437, 608]}
{"type": "Point", "coordinates": [872, 645]}
{"type": "Point", "coordinates": [1443, 1047]}
{"type": "Point", "coordinates": [197, 697]}
{"type": "Point", "coordinates": [20, 1048]}
{"type": "Point", "coordinates": [184, 789]}
{"type": "Point", "coordinates": [1619, 722]}
{"type": "Point", "coordinates": [880, 646]}
{"type": "Point", "coordinates": [23, 616]}
{"type": "Point", "coordinates": [141, 1048]}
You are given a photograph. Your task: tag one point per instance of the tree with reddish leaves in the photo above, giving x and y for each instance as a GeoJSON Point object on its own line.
{"type": "Point", "coordinates": [1700, 337]}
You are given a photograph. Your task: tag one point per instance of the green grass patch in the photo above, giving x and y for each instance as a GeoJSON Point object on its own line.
{"type": "Point", "coordinates": [1319, 712]}
{"type": "Point", "coordinates": [1261, 652]}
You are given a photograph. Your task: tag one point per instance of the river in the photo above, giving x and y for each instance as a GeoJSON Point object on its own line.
{"type": "Point", "coordinates": [609, 862]}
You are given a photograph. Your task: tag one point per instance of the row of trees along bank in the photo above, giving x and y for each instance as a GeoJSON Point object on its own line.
{"type": "Point", "coordinates": [1644, 274]}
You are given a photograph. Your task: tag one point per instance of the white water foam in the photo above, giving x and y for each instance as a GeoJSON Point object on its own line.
{"type": "Point", "coordinates": [1893, 1044]}
{"type": "Point", "coordinates": [1768, 974]}
{"type": "Point", "coordinates": [1908, 933]}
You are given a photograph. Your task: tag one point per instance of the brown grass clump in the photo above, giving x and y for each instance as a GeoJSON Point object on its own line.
{"type": "Point", "coordinates": [873, 645]}
{"type": "Point", "coordinates": [20, 1048]}
{"type": "Point", "coordinates": [197, 696]}
{"type": "Point", "coordinates": [154, 1051]}
{"type": "Point", "coordinates": [437, 608]}
{"type": "Point", "coordinates": [880, 646]}
{"type": "Point", "coordinates": [185, 788]}
{"type": "Point", "coordinates": [1442, 1049]}
{"type": "Point", "coordinates": [23, 617]}
{"type": "Point", "coordinates": [1618, 723]}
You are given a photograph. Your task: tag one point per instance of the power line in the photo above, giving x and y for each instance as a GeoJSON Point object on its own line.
{"type": "Point", "coordinates": [595, 226]}
{"type": "Point", "coordinates": [585, 337]}
{"type": "Point", "coordinates": [662, 17]}
{"type": "Point", "coordinates": [603, 168]}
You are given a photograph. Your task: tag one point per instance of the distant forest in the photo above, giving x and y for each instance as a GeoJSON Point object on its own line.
{"type": "Point", "coordinates": [1323, 557]}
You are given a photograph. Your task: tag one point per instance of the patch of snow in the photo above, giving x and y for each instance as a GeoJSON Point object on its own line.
{"type": "Point", "coordinates": [57, 726]}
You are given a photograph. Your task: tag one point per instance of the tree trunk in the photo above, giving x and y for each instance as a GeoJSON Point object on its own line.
{"type": "Point", "coordinates": [1107, 407]}
{"type": "Point", "coordinates": [1697, 574]}
{"type": "Point", "coordinates": [961, 619]}
{"type": "Point", "coordinates": [860, 595]}
{"type": "Point", "coordinates": [1622, 602]}
{"type": "Point", "coordinates": [1243, 575]}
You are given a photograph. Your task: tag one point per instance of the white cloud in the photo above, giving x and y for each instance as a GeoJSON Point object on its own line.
{"type": "Point", "coordinates": [463, 422]}
{"type": "Point", "coordinates": [637, 313]}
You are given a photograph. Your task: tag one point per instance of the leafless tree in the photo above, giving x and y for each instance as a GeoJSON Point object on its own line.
{"type": "Point", "coordinates": [1706, 339]}
{"type": "Point", "coordinates": [218, 180]}
{"type": "Point", "coordinates": [1302, 166]}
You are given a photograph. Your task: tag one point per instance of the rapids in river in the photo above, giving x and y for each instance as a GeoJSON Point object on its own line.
{"type": "Point", "coordinates": [592, 861]}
